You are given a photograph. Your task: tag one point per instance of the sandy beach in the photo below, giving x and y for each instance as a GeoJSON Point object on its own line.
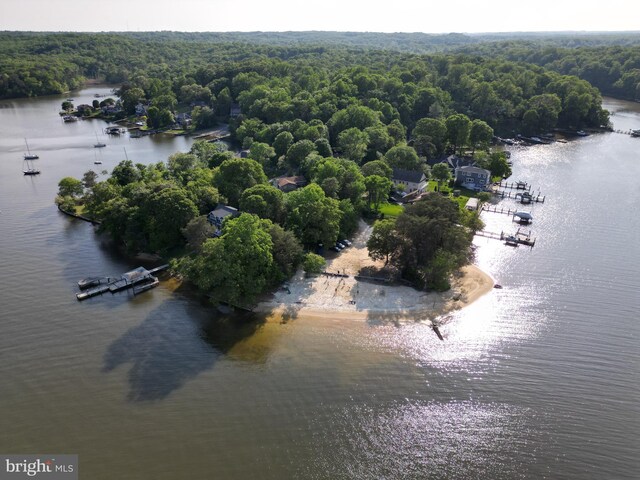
{"type": "Point", "coordinates": [348, 298]}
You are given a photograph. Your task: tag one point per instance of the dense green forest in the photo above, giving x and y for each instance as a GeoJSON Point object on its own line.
{"type": "Point", "coordinates": [614, 69]}
{"type": "Point", "coordinates": [34, 64]}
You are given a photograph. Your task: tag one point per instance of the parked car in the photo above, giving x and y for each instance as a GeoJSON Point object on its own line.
{"type": "Point", "coordinates": [346, 242]}
{"type": "Point", "coordinates": [341, 245]}
{"type": "Point", "coordinates": [335, 248]}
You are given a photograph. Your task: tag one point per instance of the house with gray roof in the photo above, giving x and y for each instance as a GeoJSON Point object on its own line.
{"type": "Point", "coordinates": [409, 180]}
{"type": "Point", "coordinates": [473, 178]}
{"type": "Point", "coordinates": [218, 214]}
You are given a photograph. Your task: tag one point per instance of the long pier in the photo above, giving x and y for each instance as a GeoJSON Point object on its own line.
{"type": "Point", "coordinates": [495, 209]}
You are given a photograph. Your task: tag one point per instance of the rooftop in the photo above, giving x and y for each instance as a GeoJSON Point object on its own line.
{"type": "Point", "coordinates": [412, 176]}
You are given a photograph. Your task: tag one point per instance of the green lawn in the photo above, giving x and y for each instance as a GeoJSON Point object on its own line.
{"type": "Point", "coordinates": [389, 210]}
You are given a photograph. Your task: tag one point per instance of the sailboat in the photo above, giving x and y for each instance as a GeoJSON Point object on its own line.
{"type": "Point", "coordinates": [98, 143]}
{"type": "Point", "coordinates": [29, 155]}
{"type": "Point", "coordinates": [30, 170]}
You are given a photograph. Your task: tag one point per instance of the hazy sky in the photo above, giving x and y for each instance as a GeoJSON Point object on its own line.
{"type": "Point", "coordinates": [339, 15]}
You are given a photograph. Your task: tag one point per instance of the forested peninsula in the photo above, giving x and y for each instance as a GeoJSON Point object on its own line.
{"type": "Point", "coordinates": [326, 132]}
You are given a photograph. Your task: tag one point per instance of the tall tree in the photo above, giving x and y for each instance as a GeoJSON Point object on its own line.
{"type": "Point", "coordinates": [458, 128]}
{"type": "Point", "coordinates": [265, 201]}
{"type": "Point", "coordinates": [480, 135]}
{"type": "Point", "coordinates": [234, 176]}
{"type": "Point", "coordinates": [167, 212]}
{"type": "Point", "coordinates": [236, 267]}
{"type": "Point", "coordinates": [312, 216]}
{"type": "Point", "coordinates": [378, 189]}
{"type": "Point", "coordinates": [404, 157]}
{"type": "Point", "coordinates": [441, 173]}
{"type": "Point", "coordinates": [353, 142]}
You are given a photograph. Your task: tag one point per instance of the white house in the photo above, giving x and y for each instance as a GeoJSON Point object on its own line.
{"type": "Point", "coordinates": [409, 180]}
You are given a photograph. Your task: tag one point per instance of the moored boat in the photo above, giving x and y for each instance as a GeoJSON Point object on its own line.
{"type": "Point", "coordinates": [92, 282]}
{"type": "Point", "coordinates": [29, 155]}
{"type": "Point", "coordinates": [29, 170]}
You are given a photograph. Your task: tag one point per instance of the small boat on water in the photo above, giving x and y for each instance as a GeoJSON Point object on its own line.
{"type": "Point", "coordinates": [92, 282]}
{"type": "Point", "coordinates": [69, 118]}
{"type": "Point", "coordinates": [29, 155]}
{"type": "Point", "coordinates": [511, 240]}
{"type": "Point", "coordinates": [523, 217]}
{"type": "Point", "coordinates": [98, 143]}
{"type": "Point", "coordinates": [97, 162]}
{"type": "Point", "coordinates": [29, 170]}
{"type": "Point", "coordinates": [114, 130]}
{"type": "Point", "coordinates": [582, 133]}
{"type": "Point", "coordinates": [635, 133]}
{"type": "Point", "coordinates": [148, 285]}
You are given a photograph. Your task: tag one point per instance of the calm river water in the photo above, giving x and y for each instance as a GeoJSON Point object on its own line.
{"type": "Point", "coordinates": [537, 380]}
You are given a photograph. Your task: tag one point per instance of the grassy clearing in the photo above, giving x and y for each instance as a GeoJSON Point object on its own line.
{"type": "Point", "coordinates": [389, 210]}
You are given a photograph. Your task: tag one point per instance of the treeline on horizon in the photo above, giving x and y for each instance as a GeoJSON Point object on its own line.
{"type": "Point", "coordinates": [33, 64]}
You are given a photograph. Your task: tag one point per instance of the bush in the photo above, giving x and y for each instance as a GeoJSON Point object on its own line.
{"type": "Point", "coordinates": [313, 263]}
{"type": "Point", "coordinates": [484, 196]}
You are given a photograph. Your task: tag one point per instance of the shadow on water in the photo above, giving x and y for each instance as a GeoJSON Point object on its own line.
{"type": "Point", "coordinates": [175, 343]}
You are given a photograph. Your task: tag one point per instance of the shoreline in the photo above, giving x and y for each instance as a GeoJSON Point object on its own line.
{"type": "Point", "coordinates": [330, 297]}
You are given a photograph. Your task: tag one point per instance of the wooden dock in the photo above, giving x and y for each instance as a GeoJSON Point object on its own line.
{"type": "Point", "coordinates": [633, 133]}
{"type": "Point", "coordinates": [518, 238]}
{"type": "Point", "coordinates": [515, 185]}
{"type": "Point", "coordinates": [139, 279]}
{"type": "Point", "coordinates": [495, 209]}
{"type": "Point", "coordinates": [523, 197]}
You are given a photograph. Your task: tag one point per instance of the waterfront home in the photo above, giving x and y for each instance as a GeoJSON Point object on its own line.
{"type": "Point", "coordinates": [409, 180]}
{"type": "Point", "coordinates": [183, 120]}
{"type": "Point", "coordinates": [141, 109]}
{"type": "Point", "coordinates": [111, 109]}
{"type": "Point", "coordinates": [288, 184]}
{"type": "Point", "coordinates": [473, 178]}
{"type": "Point", "coordinates": [218, 214]}
{"type": "Point", "coordinates": [235, 110]}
